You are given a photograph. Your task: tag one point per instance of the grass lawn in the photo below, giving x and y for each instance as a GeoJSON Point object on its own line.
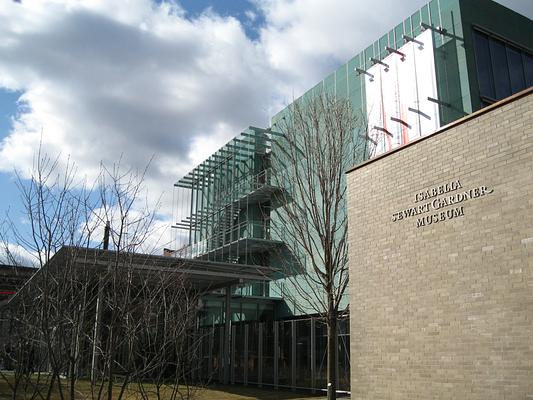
{"type": "Point", "coordinates": [213, 392]}
{"type": "Point", "coordinates": [237, 392]}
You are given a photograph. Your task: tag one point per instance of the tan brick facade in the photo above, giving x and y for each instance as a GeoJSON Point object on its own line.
{"type": "Point", "coordinates": [441, 263]}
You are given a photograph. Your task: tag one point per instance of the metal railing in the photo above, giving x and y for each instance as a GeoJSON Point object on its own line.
{"type": "Point", "coordinates": [219, 240]}
{"type": "Point", "coordinates": [243, 187]}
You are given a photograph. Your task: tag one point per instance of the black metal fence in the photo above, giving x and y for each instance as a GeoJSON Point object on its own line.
{"type": "Point", "coordinates": [289, 353]}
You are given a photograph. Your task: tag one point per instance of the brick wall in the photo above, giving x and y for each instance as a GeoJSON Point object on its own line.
{"type": "Point", "coordinates": [441, 263]}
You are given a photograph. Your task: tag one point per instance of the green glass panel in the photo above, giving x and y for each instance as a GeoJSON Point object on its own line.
{"type": "Point", "coordinates": [425, 14]}
{"type": "Point", "coordinates": [306, 96]}
{"type": "Point", "coordinates": [351, 65]}
{"type": "Point", "coordinates": [329, 84]}
{"type": "Point", "coordinates": [434, 13]}
{"type": "Point", "coordinates": [407, 27]}
{"type": "Point", "coordinates": [437, 39]}
{"type": "Point", "coordinates": [415, 21]}
{"type": "Point", "coordinates": [398, 32]}
{"type": "Point", "coordinates": [355, 83]}
{"type": "Point", "coordinates": [383, 42]}
{"type": "Point", "coordinates": [357, 98]}
{"type": "Point", "coordinates": [354, 80]}
{"type": "Point", "coordinates": [318, 89]}
{"type": "Point", "coordinates": [392, 40]}
{"type": "Point", "coordinates": [447, 4]}
{"type": "Point", "coordinates": [450, 15]}
{"type": "Point", "coordinates": [369, 52]}
{"type": "Point", "coordinates": [341, 82]}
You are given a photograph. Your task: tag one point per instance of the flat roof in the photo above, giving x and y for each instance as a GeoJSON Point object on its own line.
{"type": "Point", "coordinates": [201, 274]}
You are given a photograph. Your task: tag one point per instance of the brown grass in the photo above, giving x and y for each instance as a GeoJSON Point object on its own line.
{"type": "Point", "coordinates": [213, 392]}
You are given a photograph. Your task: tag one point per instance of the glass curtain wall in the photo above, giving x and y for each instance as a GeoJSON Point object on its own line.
{"type": "Point", "coordinates": [290, 353]}
{"type": "Point", "coordinates": [503, 69]}
{"type": "Point", "coordinates": [223, 205]}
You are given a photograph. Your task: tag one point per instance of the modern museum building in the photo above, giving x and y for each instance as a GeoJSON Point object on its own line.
{"type": "Point", "coordinates": [439, 208]}
{"type": "Point", "coordinates": [440, 222]}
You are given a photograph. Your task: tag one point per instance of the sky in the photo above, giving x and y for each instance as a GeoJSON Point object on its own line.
{"type": "Point", "coordinates": [97, 80]}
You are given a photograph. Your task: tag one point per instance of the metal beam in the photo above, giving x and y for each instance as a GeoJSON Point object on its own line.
{"type": "Point", "coordinates": [260, 356]}
{"type": "Point", "coordinates": [266, 130]}
{"type": "Point", "coordinates": [220, 353]}
{"type": "Point", "coordinates": [266, 138]}
{"type": "Point", "coordinates": [227, 333]}
{"type": "Point", "coordinates": [293, 355]}
{"type": "Point", "coordinates": [233, 153]}
{"type": "Point", "coordinates": [276, 353]}
{"type": "Point", "coordinates": [232, 361]}
{"type": "Point", "coordinates": [246, 333]}
{"type": "Point", "coordinates": [313, 356]}
{"type": "Point", "coordinates": [260, 130]}
{"type": "Point", "coordinates": [211, 346]}
{"type": "Point", "coordinates": [243, 141]}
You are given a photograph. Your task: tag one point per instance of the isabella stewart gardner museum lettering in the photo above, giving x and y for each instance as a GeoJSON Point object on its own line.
{"type": "Point", "coordinates": [430, 202]}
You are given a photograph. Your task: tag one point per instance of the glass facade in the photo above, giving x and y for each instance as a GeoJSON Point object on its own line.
{"type": "Point", "coordinates": [450, 61]}
{"type": "Point", "coordinates": [224, 205]}
{"type": "Point", "coordinates": [302, 361]}
{"type": "Point", "coordinates": [243, 309]}
{"type": "Point", "coordinates": [502, 68]}
{"type": "Point", "coordinates": [289, 353]}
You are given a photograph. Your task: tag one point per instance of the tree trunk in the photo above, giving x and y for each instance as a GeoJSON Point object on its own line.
{"type": "Point", "coordinates": [332, 357]}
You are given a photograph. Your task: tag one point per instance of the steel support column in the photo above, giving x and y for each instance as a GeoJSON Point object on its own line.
{"type": "Point", "coordinates": [221, 338]}
{"type": "Point", "coordinates": [232, 362]}
{"type": "Point", "coordinates": [276, 353]}
{"type": "Point", "coordinates": [337, 356]}
{"type": "Point", "coordinates": [245, 366]}
{"type": "Point", "coordinates": [210, 352]}
{"type": "Point", "coordinates": [313, 356]}
{"type": "Point", "coordinates": [227, 334]}
{"type": "Point", "coordinates": [260, 356]}
{"type": "Point", "coordinates": [293, 355]}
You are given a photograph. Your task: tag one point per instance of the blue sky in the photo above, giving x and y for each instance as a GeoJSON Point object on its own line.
{"type": "Point", "coordinates": [236, 8]}
{"type": "Point", "coordinates": [8, 110]}
{"type": "Point", "coordinates": [99, 81]}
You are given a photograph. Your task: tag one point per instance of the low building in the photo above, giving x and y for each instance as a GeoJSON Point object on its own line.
{"type": "Point", "coordinates": [12, 278]}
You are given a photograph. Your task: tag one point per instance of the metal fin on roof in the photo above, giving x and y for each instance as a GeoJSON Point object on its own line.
{"type": "Point", "coordinates": [238, 148]}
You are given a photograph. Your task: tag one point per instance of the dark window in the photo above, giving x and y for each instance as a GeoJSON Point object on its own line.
{"type": "Point", "coordinates": [516, 72]}
{"type": "Point", "coordinates": [502, 68]}
{"type": "Point", "coordinates": [527, 59]}
{"type": "Point", "coordinates": [484, 65]}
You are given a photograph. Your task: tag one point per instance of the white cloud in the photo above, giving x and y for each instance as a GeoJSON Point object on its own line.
{"type": "Point", "coordinates": [103, 79]}
{"type": "Point", "coordinates": [15, 254]}
{"type": "Point", "coordinates": [307, 39]}
{"type": "Point", "coordinates": [138, 229]}
{"type": "Point", "coordinates": [252, 16]}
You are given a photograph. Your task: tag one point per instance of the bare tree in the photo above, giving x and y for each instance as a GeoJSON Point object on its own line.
{"type": "Point", "coordinates": [115, 316]}
{"type": "Point", "coordinates": [46, 324]}
{"type": "Point", "coordinates": [144, 332]}
{"type": "Point", "coordinates": [319, 141]}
